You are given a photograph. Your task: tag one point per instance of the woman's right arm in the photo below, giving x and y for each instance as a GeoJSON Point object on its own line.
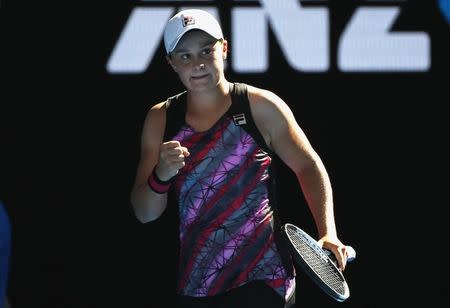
{"type": "Point", "coordinates": [164, 159]}
{"type": "Point", "coordinates": [147, 204]}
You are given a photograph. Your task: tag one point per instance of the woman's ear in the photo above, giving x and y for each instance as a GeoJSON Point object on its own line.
{"type": "Point", "coordinates": [224, 48]}
{"type": "Point", "coordinates": [169, 60]}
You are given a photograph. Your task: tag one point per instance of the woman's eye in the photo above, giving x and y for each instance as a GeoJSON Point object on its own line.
{"type": "Point", "coordinates": [207, 51]}
{"type": "Point", "coordinates": [184, 57]}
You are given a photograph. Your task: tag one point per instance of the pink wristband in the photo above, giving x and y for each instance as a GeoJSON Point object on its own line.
{"type": "Point", "coordinates": [157, 185]}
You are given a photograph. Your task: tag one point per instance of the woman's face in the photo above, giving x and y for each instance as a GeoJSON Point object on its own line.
{"type": "Point", "coordinates": [199, 60]}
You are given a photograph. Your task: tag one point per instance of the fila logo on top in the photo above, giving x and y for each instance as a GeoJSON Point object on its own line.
{"type": "Point", "coordinates": [239, 119]}
{"type": "Point", "coordinates": [367, 43]}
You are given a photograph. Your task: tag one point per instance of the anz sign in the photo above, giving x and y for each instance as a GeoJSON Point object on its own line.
{"type": "Point", "coordinates": [366, 44]}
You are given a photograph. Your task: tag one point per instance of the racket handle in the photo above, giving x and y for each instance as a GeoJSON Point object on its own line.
{"type": "Point", "coordinates": [351, 253]}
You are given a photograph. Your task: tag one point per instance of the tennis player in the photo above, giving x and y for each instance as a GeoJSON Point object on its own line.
{"type": "Point", "coordinates": [210, 148]}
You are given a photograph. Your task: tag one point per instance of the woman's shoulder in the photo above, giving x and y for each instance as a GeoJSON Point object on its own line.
{"type": "Point", "coordinates": [263, 99]}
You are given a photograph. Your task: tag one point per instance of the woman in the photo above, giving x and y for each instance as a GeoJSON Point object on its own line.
{"type": "Point", "coordinates": [210, 148]}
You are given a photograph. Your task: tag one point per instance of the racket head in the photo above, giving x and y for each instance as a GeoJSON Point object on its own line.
{"type": "Point", "coordinates": [315, 262]}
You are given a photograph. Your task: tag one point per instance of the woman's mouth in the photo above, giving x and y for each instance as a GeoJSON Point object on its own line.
{"type": "Point", "coordinates": [199, 77]}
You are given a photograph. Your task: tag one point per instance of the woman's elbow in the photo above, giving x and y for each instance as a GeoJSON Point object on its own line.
{"type": "Point", "coordinates": [143, 215]}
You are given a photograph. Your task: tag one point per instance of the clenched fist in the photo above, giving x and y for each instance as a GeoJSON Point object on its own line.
{"type": "Point", "coordinates": [171, 159]}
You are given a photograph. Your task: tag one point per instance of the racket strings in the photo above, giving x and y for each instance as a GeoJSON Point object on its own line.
{"type": "Point", "coordinates": [315, 259]}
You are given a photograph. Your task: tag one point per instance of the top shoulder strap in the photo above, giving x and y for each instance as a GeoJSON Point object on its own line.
{"type": "Point", "coordinates": [241, 113]}
{"type": "Point", "coordinates": [175, 113]}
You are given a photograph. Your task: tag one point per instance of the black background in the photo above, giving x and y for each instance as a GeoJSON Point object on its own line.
{"type": "Point", "coordinates": [70, 137]}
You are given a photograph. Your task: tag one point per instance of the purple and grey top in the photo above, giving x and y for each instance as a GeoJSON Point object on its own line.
{"type": "Point", "coordinates": [226, 221]}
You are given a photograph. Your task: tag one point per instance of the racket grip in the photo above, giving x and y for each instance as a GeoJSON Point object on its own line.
{"type": "Point", "coordinates": [351, 253]}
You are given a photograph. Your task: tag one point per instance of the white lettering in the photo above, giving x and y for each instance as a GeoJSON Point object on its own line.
{"type": "Point", "coordinates": [368, 45]}
{"type": "Point", "coordinates": [139, 40]}
{"type": "Point", "coordinates": [303, 33]}
{"type": "Point", "coordinates": [250, 44]}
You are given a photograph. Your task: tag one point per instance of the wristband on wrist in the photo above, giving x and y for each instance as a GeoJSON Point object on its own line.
{"type": "Point", "coordinates": [157, 185]}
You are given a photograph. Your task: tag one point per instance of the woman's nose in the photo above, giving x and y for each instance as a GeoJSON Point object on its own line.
{"type": "Point", "coordinates": [200, 66]}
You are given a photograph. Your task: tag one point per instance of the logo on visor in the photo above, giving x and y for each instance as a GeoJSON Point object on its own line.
{"type": "Point", "coordinates": [188, 20]}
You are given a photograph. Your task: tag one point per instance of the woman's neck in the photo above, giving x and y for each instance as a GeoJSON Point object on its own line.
{"type": "Point", "coordinates": [213, 99]}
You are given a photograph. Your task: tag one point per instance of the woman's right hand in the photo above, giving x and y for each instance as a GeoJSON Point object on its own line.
{"type": "Point", "coordinates": [171, 159]}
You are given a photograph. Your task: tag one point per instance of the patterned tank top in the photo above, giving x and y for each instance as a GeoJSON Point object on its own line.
{"type": "Point", "coordinates": [225, 214]}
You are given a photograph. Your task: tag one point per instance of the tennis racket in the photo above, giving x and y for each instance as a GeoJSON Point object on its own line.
{"type": "Point", "coordinates": [318, 263]}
